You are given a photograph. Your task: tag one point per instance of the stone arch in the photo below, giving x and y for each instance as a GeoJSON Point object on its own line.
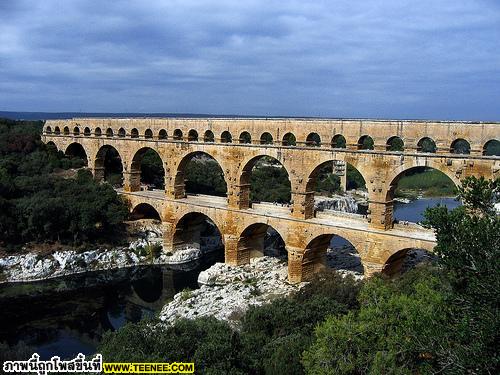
{"type": "Point", "coordinates": [178, 135]}
{"type": "Point", "coordinates": [52, 145]}
{"type": "Point", "coordinates": [148, 134]}
{"type": "Point", "coordinates": [152, 174]}
{"type": "Point", "coordinates": [109, 132]}
{"type": "Point", "coordinates": [76, 130]}
{"type": "Point", "coordinates": [57, 130]}
{"type": "Point", "coordinates": [48, 130]}
{"type": "Point", "coordinates": [66, 130]}
{"type": "Point", "coordinates": [134, 133]}
{"type": "Point", "coordinates": [491, 148]}
{"type": "Point", "coordinates": [313, 140]}
{"type": "Point", "coordinates": [121, 132]}
{"type": "Point", "coordinates": [192, 229]}
{"type": "Point", "coordinates": [289, 139]}
{"type": "Point", "coordinates": [338, 141]}
{"type": "Point", "coordinates": [317, 257]}
{"type": "Point", "coordinates": [400, 261]}
{"type": "Point", "coordinates": [98, 132]}
{"type": "Point", "coordinates": [259, 239]}
{"type": "Point", "coordinates": [144, 211]}
{"type": "Point", "coordinates": [108, 166]}
{"type": "Point", "coordinates": [76, 150]}
{"type": "Point", "coordinates": [245, 137]}
{"type": "Point", "coordinates": [460, 146]}
{"type": "Point", "coordinates": [180, 179]}
{"type": "Point", "coordinates": [193, 136]}
{"type": "Point", "coordinates": [365, 142]}
{"type": "Point", "coordinates": [245, 179]}
{"type": "Point", "coordinates": [86, 131]}
{"type": "Point", "coordinates": [226, 137]}
{"type": "Point", "coordinates": [162, 134]}
{"type": "Point", "coordinates": [266, 139]}
{"type": "Point", "coordinates": [426, 144]}
{"type": "Point", "coordinates": [209, 137]}
{"type": "Point", "coordinates": [395, 143]}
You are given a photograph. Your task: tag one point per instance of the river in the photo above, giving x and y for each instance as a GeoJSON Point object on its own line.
{"type": "Point", "coordinates": [68, 315]}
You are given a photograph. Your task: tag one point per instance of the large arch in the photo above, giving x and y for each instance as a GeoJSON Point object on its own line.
{"type": "Point", "coordinates": [406, 259]}
{"type": "Point", "coordinates": [260, 239]}
{"type": "Point", "coordinates": [144, 211]}
{"type": "Point", "coordinates": [196, 230]}
{"type": "Point", "coordinates": [268, 185]}
{"type": "Point", "coordinates": [108, 166]}
{"type": "Point", "coordinates": [76, 151]}
{"type": "Point", "coordinates": [147, 168]}
{"type": "Point", "coordinates": [199, 173]}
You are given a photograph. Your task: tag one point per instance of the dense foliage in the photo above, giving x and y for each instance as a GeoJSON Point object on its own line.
{"type": "Point", "coordinates": [39, 201]}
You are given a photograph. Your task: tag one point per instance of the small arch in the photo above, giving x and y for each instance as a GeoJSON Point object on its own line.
{"type": "Point", "coordinates": [134, 133]}
{"type": "Point", "coordinates": [226, 137]}
{"type": "Point", "coordinates": [178, 134]}
{"type": "Point", "coordinates": [365, 142]}
{"type": "Point", "coordinates": [162, 134]}
{"type": "Point", "coordinates": [76, 130]}
{"type": "Point", "coordinates": [66, 130]}
{"type": "Point", "coordinates": [460, 146]}
{"type": "Point", "coordinates": [195, 230]}
{"type": "Point", "coordinates": [404, 260]}
{"type": "Point", "coordinates": [338, 141]}
{"type": "Point", "coordinates": [48, 130]}
{"type": "Point", "coordinates": [76, 151]}
{"type": "Point", "coordinates": [209, 137]}
{"type": "Point", "coordinates": [313, 140]}
{"type": "Point", "coordinates": [426, 144]}
{"type": "Point", "coordinates": [492, 148]}
{"type": "Point", "coordinates": [266, 139]}
{"type": "Point", "coordinates": [245, 137]}
{"type": "Point", "coordinates": [86, 132]}
{"type": "Point", "coordinates": [97, 132]}
{"type": "Point", "coordinates": [144, 211]}
{"type": "Point", "coordinates": [258, 240]}
{"type": "Point", "coordinates": [57, 131]}
{"type": "Point", "coordinates": [395, 144]}
{"type": "Point", "coordinates": [109, 132]}
{"type": "Point", "coordinates": [148, 134]}
{"type": "Point", "coordinates": [121, 132]}
{"type": "Point", "coordinates": [192, 136]}
{"type": "Point", "coordinates": [289, 140]}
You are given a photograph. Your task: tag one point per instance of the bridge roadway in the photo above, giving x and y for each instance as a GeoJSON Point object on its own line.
{"type": "Point", "coordinates": [318, 230]}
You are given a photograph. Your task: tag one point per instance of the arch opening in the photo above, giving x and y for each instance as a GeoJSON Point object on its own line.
{"type": "Point", "coordinates": [193, 136]}
{"type": "Point", "coordinates": [337, 186]}
{"type": "Point", "coordinates": [108, 166]}
{"type": "Point", "coordinates": [331, 251]}
{"type": "Point", "coordinates": [365, 142]}
{"type": "Point", "coordinates": [313, 140]}
{"type": "Point", "coordinates": [460, 146]}
{"type": "Point", "coordinates": [86, 132]}
{"type": "Point", "coordinates": [109, 132]}
{"type": "Point", "coordinates": [162, 134]}
{"type": "Point", "coordinates": [144, 211]}
{"type": "Point", "coordinates": [426, 144]}
{"type": "Point", "coordinates": [48, 130]}
{"type": "Point", "coordinates": [226, 137]}
{"type": "Point", "coordinates": [338, 141]}
{"type": "Point", "coordinates": [209, 137]}
{"type": "Point", "coordinates": [76, 152]}
{"type": "Point", "coordinates": [259, 240]}
{"type": "Point", "coordinates": [406, 259]}
{"type": "Point", "coordinates": [199, 173]}
{"type": "Point", "coordinates": [266, 139]}
{"type": "Point", "coordinates": [147, 172]}
{"type": "Point", "coordinates": [178, 134]}
{"type": "Point", "coordinates": [196, 231]}
{"type": "Point", "coordinates": [76, 130]}
{"type": "Point", "coordinates": [289, 139]}
{"type": "Point", "coordinates": [395, 144]}
{"type": "Point", "coordinates": [492, 148]}
{"type": "Point", "coordinates": [97, 132]}
{"type": "Point", "coordinates": [66, 130]}
{"type": "Point", "coordinates": [57, 131]}
{"type": "Point", "coordinates": [121, 133]}
{"type": "Point", "coordinates": [264, 179]}
{"type": "Point", "coordinates": [148, 134]}
{"type": "Point", "coordinates": [245, 137]}
{"type": "Point", "coordinates": [417, 188]}
{"type": "Point", "coordinates": [134, 133]}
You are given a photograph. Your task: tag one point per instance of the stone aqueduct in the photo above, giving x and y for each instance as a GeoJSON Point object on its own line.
{"type": "Point", "coordinates": [238, 143]}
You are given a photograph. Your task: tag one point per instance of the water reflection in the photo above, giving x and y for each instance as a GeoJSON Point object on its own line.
{"type": "Point", "coordinates": [414, 211]}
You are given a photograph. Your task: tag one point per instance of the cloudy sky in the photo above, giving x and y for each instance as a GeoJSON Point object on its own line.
{"type": "Point", "coordinates": [335, 58]}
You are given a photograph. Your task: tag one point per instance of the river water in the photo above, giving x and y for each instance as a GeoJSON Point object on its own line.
{"type": "Point", "coordinates": [68, 315]}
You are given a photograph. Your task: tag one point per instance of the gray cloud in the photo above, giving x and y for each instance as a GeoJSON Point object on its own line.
{"type": "Point", "coordinates": [401, 59]}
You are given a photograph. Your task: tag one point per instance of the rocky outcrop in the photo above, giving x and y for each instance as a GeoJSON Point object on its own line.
{"type": "Point", "coordinates": [226, 292]}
